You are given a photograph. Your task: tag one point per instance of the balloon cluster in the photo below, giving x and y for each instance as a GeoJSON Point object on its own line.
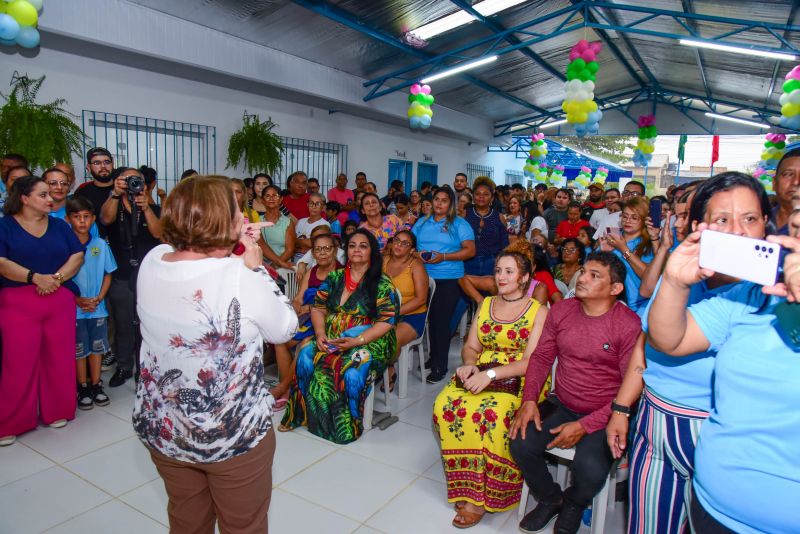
{"type": "Point", "coordinates": [643, 152]}
{"type": "Point", "coordinates": [774, 148]}
{"type": "Point", "coordinates": [540, 173]}
{"type": "Point", "coordinates": [419, 110]}
{"type": "Point", "coordinates": [579, 104]}
{"type": "Point", "coordinates": [536, 154]}
{"type": "Point", "coordinates": [583, 179]}
{"type": "Point", "coordinates": [18, 20]}
{"type": "Point", "coordinates": [790, 100]}
{"type": "Point", "coordinates": [600, 176]}
{"type": "Point", "coordinates": [557, 176]}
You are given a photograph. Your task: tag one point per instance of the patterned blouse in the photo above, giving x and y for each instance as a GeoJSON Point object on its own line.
{"type": "Point", "coordinates": [390, 226]}
{"type": "Point", "coordinates": [201, 397]}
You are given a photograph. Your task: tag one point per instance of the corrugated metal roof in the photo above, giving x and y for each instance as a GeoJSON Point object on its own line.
{"type": "Point", "coordinates": [288, 27]}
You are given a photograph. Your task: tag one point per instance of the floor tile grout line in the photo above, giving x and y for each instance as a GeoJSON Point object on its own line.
{"type": "Point", "coordinates": [279, 486]}
{"type": "Point", "coordinates": [33, 473]}
{"type": "Point", "coordinates": [393, 497]}
{"type": "Point", "coordinates": [324, 507]}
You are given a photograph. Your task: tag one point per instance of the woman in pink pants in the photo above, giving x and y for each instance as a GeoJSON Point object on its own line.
{"type": "Point", "coordinates": [38, 257]}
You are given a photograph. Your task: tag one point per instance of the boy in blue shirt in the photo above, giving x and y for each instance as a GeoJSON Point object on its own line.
{"type": "Point", "coordinates": [93, 279]}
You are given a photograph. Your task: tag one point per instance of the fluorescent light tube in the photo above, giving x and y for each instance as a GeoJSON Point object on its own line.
{"type": "Point", "coordinates": [460, 68]}
{"type": "Point", "coordinates": [554, 123]}
{"type": "Point", "coordinates": [737, 120]}
{"type": "Point", "coordinates": [519, 127]}
{"type": "Point", "coordinates": [486, 8]}
{"type": "Point", "coordinates": [739, 50]}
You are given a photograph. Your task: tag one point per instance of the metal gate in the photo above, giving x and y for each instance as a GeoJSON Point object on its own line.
{"type": "Point", "coordinates": [474, 170]}
{"type": "Point", "coordinates": [170, 147]}
{"type": "Point", "coordinates": [317, 159]}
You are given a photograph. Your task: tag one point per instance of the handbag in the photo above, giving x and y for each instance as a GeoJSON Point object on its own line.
{"type": "Point", "coordinates": [509, 385]}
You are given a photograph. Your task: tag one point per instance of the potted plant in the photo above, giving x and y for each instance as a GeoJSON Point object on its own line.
{"type": "Point", "coordinates": [44, 133]}
{"type": "Point", "coordinates": [261, 149]}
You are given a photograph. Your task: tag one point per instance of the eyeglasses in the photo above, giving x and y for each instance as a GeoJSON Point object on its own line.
{"type": "Point", "coordinates": [105, 162]}
{"type": "Point", "coordinates": [632, 193]}
{"type": "Point", "coordinates": [58, 184]}
{"type": "Point", "coordinates": [570, 250]}
{"type": "Point", "coordinates": [404, 244]}
{"type": "Point", "coordinates": [323, 248]}
{"type": "Point", "coordinates": [315, 203]}
{"type": "Point", "coordinates": [272, 197]}
{"type": "Point", "coordinates": [626, 217]}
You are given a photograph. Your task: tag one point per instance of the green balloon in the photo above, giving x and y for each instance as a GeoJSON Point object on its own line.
{"type": "Point", "coordinates": [593, 66]}
{"type": "Point", "coordinates": [585, 75]}
{"type": "Point", "coordinates": [780, 145]}
{"type": "Point", "coordinates": [420, 98]}
{"type": "Point", "coordinates": [412, 98]}
{"type": "Point", "coordinates": [431, 100]}
{"type": "Point", "coordinates": [571, 76]}
{"type": "Point", "coordinates": [579, 63]}
{"type": "Point", "coordinates": [791, 85]}
{"type": "Point", "coordinates": [768, 144]}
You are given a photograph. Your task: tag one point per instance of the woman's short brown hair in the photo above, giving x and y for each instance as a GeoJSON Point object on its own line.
{"type": "Point", "coordinates": [199, 213]}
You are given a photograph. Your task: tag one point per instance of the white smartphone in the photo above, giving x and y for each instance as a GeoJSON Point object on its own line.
{"type": "Point", "coordinates": [745, 258]}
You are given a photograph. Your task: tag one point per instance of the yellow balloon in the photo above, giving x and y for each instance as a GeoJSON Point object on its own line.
{"type": "Point", "coordinates": [571, 119]}
{"type": "Point", "coordinates": [427, 111]}
{"type": "Point", "coordinates": [565, 106]}
{"type": "Point", "coordinates": [23, 12]}
{"type": "Point", "coordinates": [790, 110]}
{"type": "Point", "coordinates": [592, 105]}
{"type": "Point", "coordinates": [581, 117]}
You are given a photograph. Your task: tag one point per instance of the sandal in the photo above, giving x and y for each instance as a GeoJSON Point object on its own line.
{"type": "Point", "coordinates": [459, 505]}
{"type": "Point", "coordinates": [469, 519]}
{"type": "Point", "coordinates": [284, 428]}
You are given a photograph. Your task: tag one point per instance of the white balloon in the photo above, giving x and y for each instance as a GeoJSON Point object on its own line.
{"type": "Point", "coordinates": [784, 99]}
{"type": "Point", "coordinates": [794, 97]}
{"type": "Point", "coordinates": [589, 84]}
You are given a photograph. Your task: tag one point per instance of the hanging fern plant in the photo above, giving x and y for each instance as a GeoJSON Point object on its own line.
{"type": "Point", "coordinates": [261, 149]}
{"type": "Point", "coordinates": [44, 133]}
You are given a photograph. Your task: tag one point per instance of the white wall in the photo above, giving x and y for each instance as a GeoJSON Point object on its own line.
{"type": "Point", "coordinates": [102, 86]}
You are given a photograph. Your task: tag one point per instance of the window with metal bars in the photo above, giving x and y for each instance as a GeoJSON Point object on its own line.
{"type": "Point", "coordinates": [323, 161]}
{"type": "Point", "coordinates": [473, 171]}
{"type": "Point", "coordinates": [170, 147]}
{"type": "Point", "coordinates": [514, 177]}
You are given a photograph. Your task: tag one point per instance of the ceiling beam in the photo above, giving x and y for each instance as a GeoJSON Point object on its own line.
{"type": "Point", "coordinates": [347, 19]}
{"type": "Point", "coordinates": [789, 21]}
{"type": "Point", "coordinates": [688, 7]}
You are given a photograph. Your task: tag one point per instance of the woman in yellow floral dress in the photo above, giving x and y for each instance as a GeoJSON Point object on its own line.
{"type": "Point", "coordinates": [473, 413]}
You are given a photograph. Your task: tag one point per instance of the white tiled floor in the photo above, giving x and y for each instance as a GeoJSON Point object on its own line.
{"type": "Point", "coordinates": [95, 476]}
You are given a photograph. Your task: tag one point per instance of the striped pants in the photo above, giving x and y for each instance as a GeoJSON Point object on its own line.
{"type": "Point", "coordinates": [662, 465]}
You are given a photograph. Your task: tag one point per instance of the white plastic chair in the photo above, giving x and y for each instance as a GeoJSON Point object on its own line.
{"type": "Point", "coordinates": [369, 403]}
{"type": "Point", "coordinates": [291, 282]}
{"type": "Point", "coordinates": [405, 359]}
{"type": "Point", "coordinates": [562, 287]}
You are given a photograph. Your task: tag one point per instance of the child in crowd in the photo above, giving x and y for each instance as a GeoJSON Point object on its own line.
{"type": "Point", "coordinates": [332, 210]}
{"type": "Point", "coordinates": [93, 279]}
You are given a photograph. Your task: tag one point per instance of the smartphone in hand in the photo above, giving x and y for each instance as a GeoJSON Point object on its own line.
{"type": "Point", "coordinates": [655, 212]}
{"type": "Point", "coordinates": [745, 258]}
{"type": "Point", "coordinates": [426, 255]}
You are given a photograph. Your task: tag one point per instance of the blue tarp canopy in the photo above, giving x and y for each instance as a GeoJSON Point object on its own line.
{"type": "Point", "coordinates": [571, 159]}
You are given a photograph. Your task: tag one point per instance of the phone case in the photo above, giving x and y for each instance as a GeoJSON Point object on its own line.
{"type": "Point", "coordinates": [745, 258]}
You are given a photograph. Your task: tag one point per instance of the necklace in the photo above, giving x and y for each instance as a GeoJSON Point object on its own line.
{"type": "Point", "coordinates": [482, 219]}
{"type": "Point", "coordinates": [513, 300]}
{"type": "Point", "coordinates": [349, 283]}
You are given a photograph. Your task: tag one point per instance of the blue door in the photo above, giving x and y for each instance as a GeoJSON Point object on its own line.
{"type": "Point", "coordinates": [427, 172]}
{"type": "Point", "coordinates": [400, 170]}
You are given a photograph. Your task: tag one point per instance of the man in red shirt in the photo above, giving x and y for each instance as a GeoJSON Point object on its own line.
{"type": "Point", "coordinates": [296, 202]}
{"type": "Point", "coordinates": [569, 227]}
{"type": "Point", "coordinates": [593, 336]}
{"type": "Point", "coordinates": [594, 202]}
{"type": "Point", "coordinates": [343, 196]}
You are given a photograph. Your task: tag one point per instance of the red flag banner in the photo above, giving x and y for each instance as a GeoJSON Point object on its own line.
{"type": "Point", "coordinates": [714, 150]}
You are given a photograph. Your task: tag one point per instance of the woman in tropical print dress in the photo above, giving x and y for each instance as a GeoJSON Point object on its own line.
{"type": "Point", "coordinates": [473, 420]}
{"type": "Point", "coordinates": [353, 317]}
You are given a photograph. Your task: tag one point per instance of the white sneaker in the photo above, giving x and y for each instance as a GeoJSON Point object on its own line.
{"type": "Point", "coordinates": [61, 423]}
{"type": "Point", "coordinates": [7, 440]}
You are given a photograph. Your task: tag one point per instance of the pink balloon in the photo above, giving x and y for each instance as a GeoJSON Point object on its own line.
{"type": "Point", "coordinates": [596, 46]}
{"type": "Point", "coordinates": [794, 74]}
{"type": "Point", "coordinates": [426, 89]}
{"type": "Point", "coordinates": [574, 55]}
{"type": "Point", "coordinates": [588, 56]}
{"type": "Point", "coordinates": [583, 43]}
{"type": "Point", "coordinates": [416, 89]}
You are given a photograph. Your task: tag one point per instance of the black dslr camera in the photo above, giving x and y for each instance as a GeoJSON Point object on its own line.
{"type": "Point", "coordinates": [136, 185]}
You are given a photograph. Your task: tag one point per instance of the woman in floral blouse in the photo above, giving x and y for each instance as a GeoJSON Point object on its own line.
{"type": "Point", "coordinates": [202, 407]}
{"type": "Point", "coordinates": [473, 413]}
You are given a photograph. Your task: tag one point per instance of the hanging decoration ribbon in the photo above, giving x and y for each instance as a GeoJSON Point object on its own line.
{"type": "Point", "coordinates": [643, 152]}
{"type": "Point", "coordinates": [536, 154]}
{"type": "Point", "coordinates": [420, 114]}
{"type": "Point", "coordinates": [790, 100]}
{"type": "Point", "coordinates": [579, 104]}
{"type": "Point", "coordinates": [18, 22]}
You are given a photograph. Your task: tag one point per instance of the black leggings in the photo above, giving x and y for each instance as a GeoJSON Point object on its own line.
{"type": "Point", "coordinates": [441, 311]}
{"type": "Point", "coordinates": [702, 522]}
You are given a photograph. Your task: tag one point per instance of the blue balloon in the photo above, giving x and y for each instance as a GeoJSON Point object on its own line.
{"type": "Point", "coordinates": [8, 42]}
{"type": "Point", "coordinates": [425, 121]}
{"type": "Point", "coordinates": [9, 28]}
{"type": "Point", "coordinates": [414, 122]}
{"type": "Point", "coordinates": [593, 128]}
{"type": "Point", "coordinates": [580, 128]}
{"type": "Point", "coordinates": [595, 116]}
{"type": "Point", "coordinates": [28, 37]}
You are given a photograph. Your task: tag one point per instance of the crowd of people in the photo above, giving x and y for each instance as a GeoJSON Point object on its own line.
{"type": "Point", "coordinates": [589, 327]}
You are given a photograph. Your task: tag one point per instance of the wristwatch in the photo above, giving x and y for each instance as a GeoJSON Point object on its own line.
{"type": "Point", "coordinates": [491, 373]}
{"type": "Point", "coordinates": [620, 409]}
{"type": "Point", "coordinates": [116, 197]}
{"type": "Point", "coordinates": [627, 255]}
{"type": "Point", "coordinates": [59, 277]}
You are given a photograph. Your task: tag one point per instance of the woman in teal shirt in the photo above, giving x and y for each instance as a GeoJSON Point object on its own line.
{"type": "Point", "coordinates": [445, 241]}
{"type": "Point", "coordinates": [747, 476]}
{"type": "Point", "coordinates": [277, 240]}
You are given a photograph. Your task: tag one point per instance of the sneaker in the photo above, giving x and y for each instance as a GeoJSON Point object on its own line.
{"type": "Point", "coordinates": [433, 378]}
{"type": "Point", "coordinates": [120, 377]}
{"type": "Point", "coordinates": [540, 518]}
{"type": "Point", "coordinates": [85, 397]}
{"type": "Point", "coordinates": [5, 441]}
{"type": "Point", "coordinates": [109, 360]}
{"type": "Point", "coordinates": [569, 519]}
{"type": "Point", "coordinates": [100, 397]}
{"type": "Point", "coordinates": [61, 423]}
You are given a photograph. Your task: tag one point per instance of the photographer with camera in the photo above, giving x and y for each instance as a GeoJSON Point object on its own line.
{"type": "Point", "coordinates": [133, 228]}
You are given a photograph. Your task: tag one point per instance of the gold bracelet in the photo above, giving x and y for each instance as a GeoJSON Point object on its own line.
{"type": "Point", "coordinates": [362, 340]}
{"type": "Point", "coordinates": [627, 255]}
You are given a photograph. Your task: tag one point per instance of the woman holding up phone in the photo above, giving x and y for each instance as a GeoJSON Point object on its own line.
{"type": "Point", "coordinates": [634, 245]}
{"type": "Point", "coordinates": [445, 241]}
